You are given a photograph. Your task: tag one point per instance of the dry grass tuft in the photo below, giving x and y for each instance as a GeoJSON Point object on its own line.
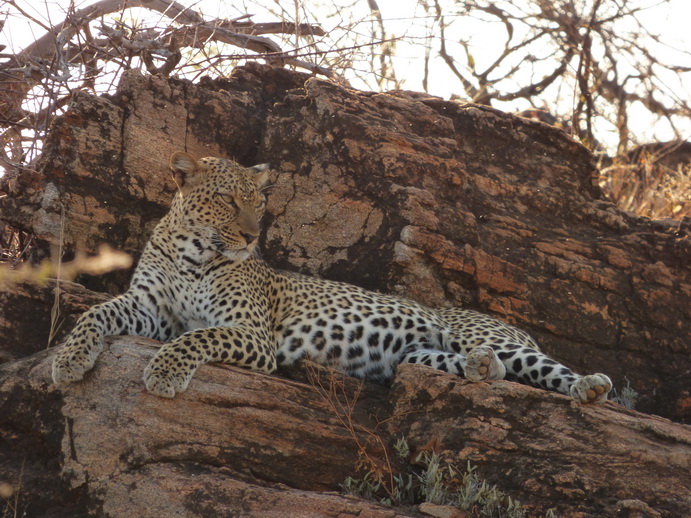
{"type": "Point", "coordinates": [650, 185]}
{"type": "Point", "coordinates": [15, 245]}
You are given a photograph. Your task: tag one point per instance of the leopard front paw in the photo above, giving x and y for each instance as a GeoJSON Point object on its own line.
{"type": "Point", "coordinates": [591, 389]}
{"type": "Point", "coordinates": [166, 381]}
{"type": "Point", "coordinates": [482, 364]}
{"type": "Point", "coordinates": [73, 361]}
{"type": "Point", "coordinates": [69, 367]}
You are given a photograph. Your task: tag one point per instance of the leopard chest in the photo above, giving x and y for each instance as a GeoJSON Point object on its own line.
{"type": "Point", "coordinates": [224, 294]}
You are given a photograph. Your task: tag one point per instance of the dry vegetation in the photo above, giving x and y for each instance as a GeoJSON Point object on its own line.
{"type": "Point", "coordinates": [589, 62]}
{"type": "Point", "coordinates": [394, 475]}
{"type": "Point", "coordinates": [14, 245]}
{"type": "Point", "coordinates": [653, 180]}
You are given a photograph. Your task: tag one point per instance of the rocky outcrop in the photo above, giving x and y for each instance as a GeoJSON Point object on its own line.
{"type": "Point", "coordinates": [244, 445]}
{"type": "Point", "coordinates": [239, 443]}
{"type": "Point", "coordinates": [446, 203]}
{"type": "Point", "coordinates": [463, 205]}
{"type": "Point", "coordinates": [33, 315]}
{"type": "Point", "coordinates": [543, 449]}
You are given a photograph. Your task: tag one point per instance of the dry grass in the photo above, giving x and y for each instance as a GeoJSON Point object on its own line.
{"type": "Point", "coordinates": [15, 245]}
{"type": "Point", "coordinates": [649, 187]}
{"type": "Point", "coordinates": [373, 456]}
{"type": "Point", "coordinates": [9, 493]}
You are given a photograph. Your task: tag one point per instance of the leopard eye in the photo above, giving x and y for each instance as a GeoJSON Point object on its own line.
{"type": "Point", "coordinates": [228, 200]}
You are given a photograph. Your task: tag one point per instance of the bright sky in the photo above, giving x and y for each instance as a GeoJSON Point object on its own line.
{"type": "Point", "coordinates": [402, 18]}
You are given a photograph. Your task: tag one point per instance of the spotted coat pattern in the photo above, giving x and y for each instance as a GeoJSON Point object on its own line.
{"type": "Point", "coordinates": [200, 288]}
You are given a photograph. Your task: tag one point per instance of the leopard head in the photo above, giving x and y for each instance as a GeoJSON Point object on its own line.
{"type": "Point", "coordinates": [220, 202]}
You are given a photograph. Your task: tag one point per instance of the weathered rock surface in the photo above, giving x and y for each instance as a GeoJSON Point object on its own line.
{"type": "Point", "coordinates": [445, 203]}
{"type": "Point", "coordinates": [545, 449]}
{"type": "Point", "coordinates": [35, 305]}
{"type": "Point", "coordinates": [238, 443]}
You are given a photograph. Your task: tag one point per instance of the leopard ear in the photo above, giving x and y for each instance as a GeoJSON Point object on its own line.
{"type": "Point", "coordinates": [185, 170]}
{"type": "Point", "coordinates": [260, 174]}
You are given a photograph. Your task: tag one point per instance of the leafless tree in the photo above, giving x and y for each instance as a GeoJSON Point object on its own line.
{"type": "Point", "coordinates": [587, 60]}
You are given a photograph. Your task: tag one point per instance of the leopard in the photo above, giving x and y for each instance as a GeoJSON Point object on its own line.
{"type": "Point", "coordinates": [201, 288]}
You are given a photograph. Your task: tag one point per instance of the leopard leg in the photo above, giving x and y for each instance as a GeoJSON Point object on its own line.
{"type": "Point", "coordinates": [123, 315]}
{"type": "Point", "coordinates": [532, 367]}
{"type": "Point", "coordinates": [480, 364]}
{"type": "Point", "coordinates": [175, 363]}
{"type": "Point", "coordinates": [520, 355]}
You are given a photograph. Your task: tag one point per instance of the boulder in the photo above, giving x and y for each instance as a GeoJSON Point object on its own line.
{"type": "Point", "coordinates": [445, 203]}
{"type": "Point", "coordinates": [442, 202]}
{"type": "Point", "coordinates": [240, 443]}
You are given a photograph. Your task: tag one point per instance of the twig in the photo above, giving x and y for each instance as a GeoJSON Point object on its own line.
{"type": "Point", "coordinates": [55, 310]}
{"type": "Point", "coordinates": [344, 413]}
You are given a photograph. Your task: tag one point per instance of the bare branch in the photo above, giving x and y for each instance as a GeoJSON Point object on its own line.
{"type": "Point", "coordinates": [469, 88]}
{"type": "Point", "coordinates": [530, 91]}
{"type": "Point", "coordinates": [55, 52]}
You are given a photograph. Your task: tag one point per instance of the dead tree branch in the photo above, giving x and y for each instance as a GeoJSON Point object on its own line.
{"type": "Point", "coordinates": [70, 44]}
{"type": "Point", "coordinates": [601, 54]}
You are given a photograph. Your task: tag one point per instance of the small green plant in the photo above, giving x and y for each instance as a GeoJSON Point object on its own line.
{"type": "Point", "coordinates": [476, 493]}
{"type": "Point", "coordinates": [370, 487]}
{"type": "Point", "coordinates": [405, 490]}
{"type": "Point", "coordinates": [366, 487]}
{"type": "Point", "coordinates": [433, 480]}
{"type": "Point", "coordinates": [438, 482]}
{"type": "Point", "coordinates": [628, 396]}
{"type": "Point", "coordinates": [402, 449]}
{"type": "Point", "coordinates": [445, 484]}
